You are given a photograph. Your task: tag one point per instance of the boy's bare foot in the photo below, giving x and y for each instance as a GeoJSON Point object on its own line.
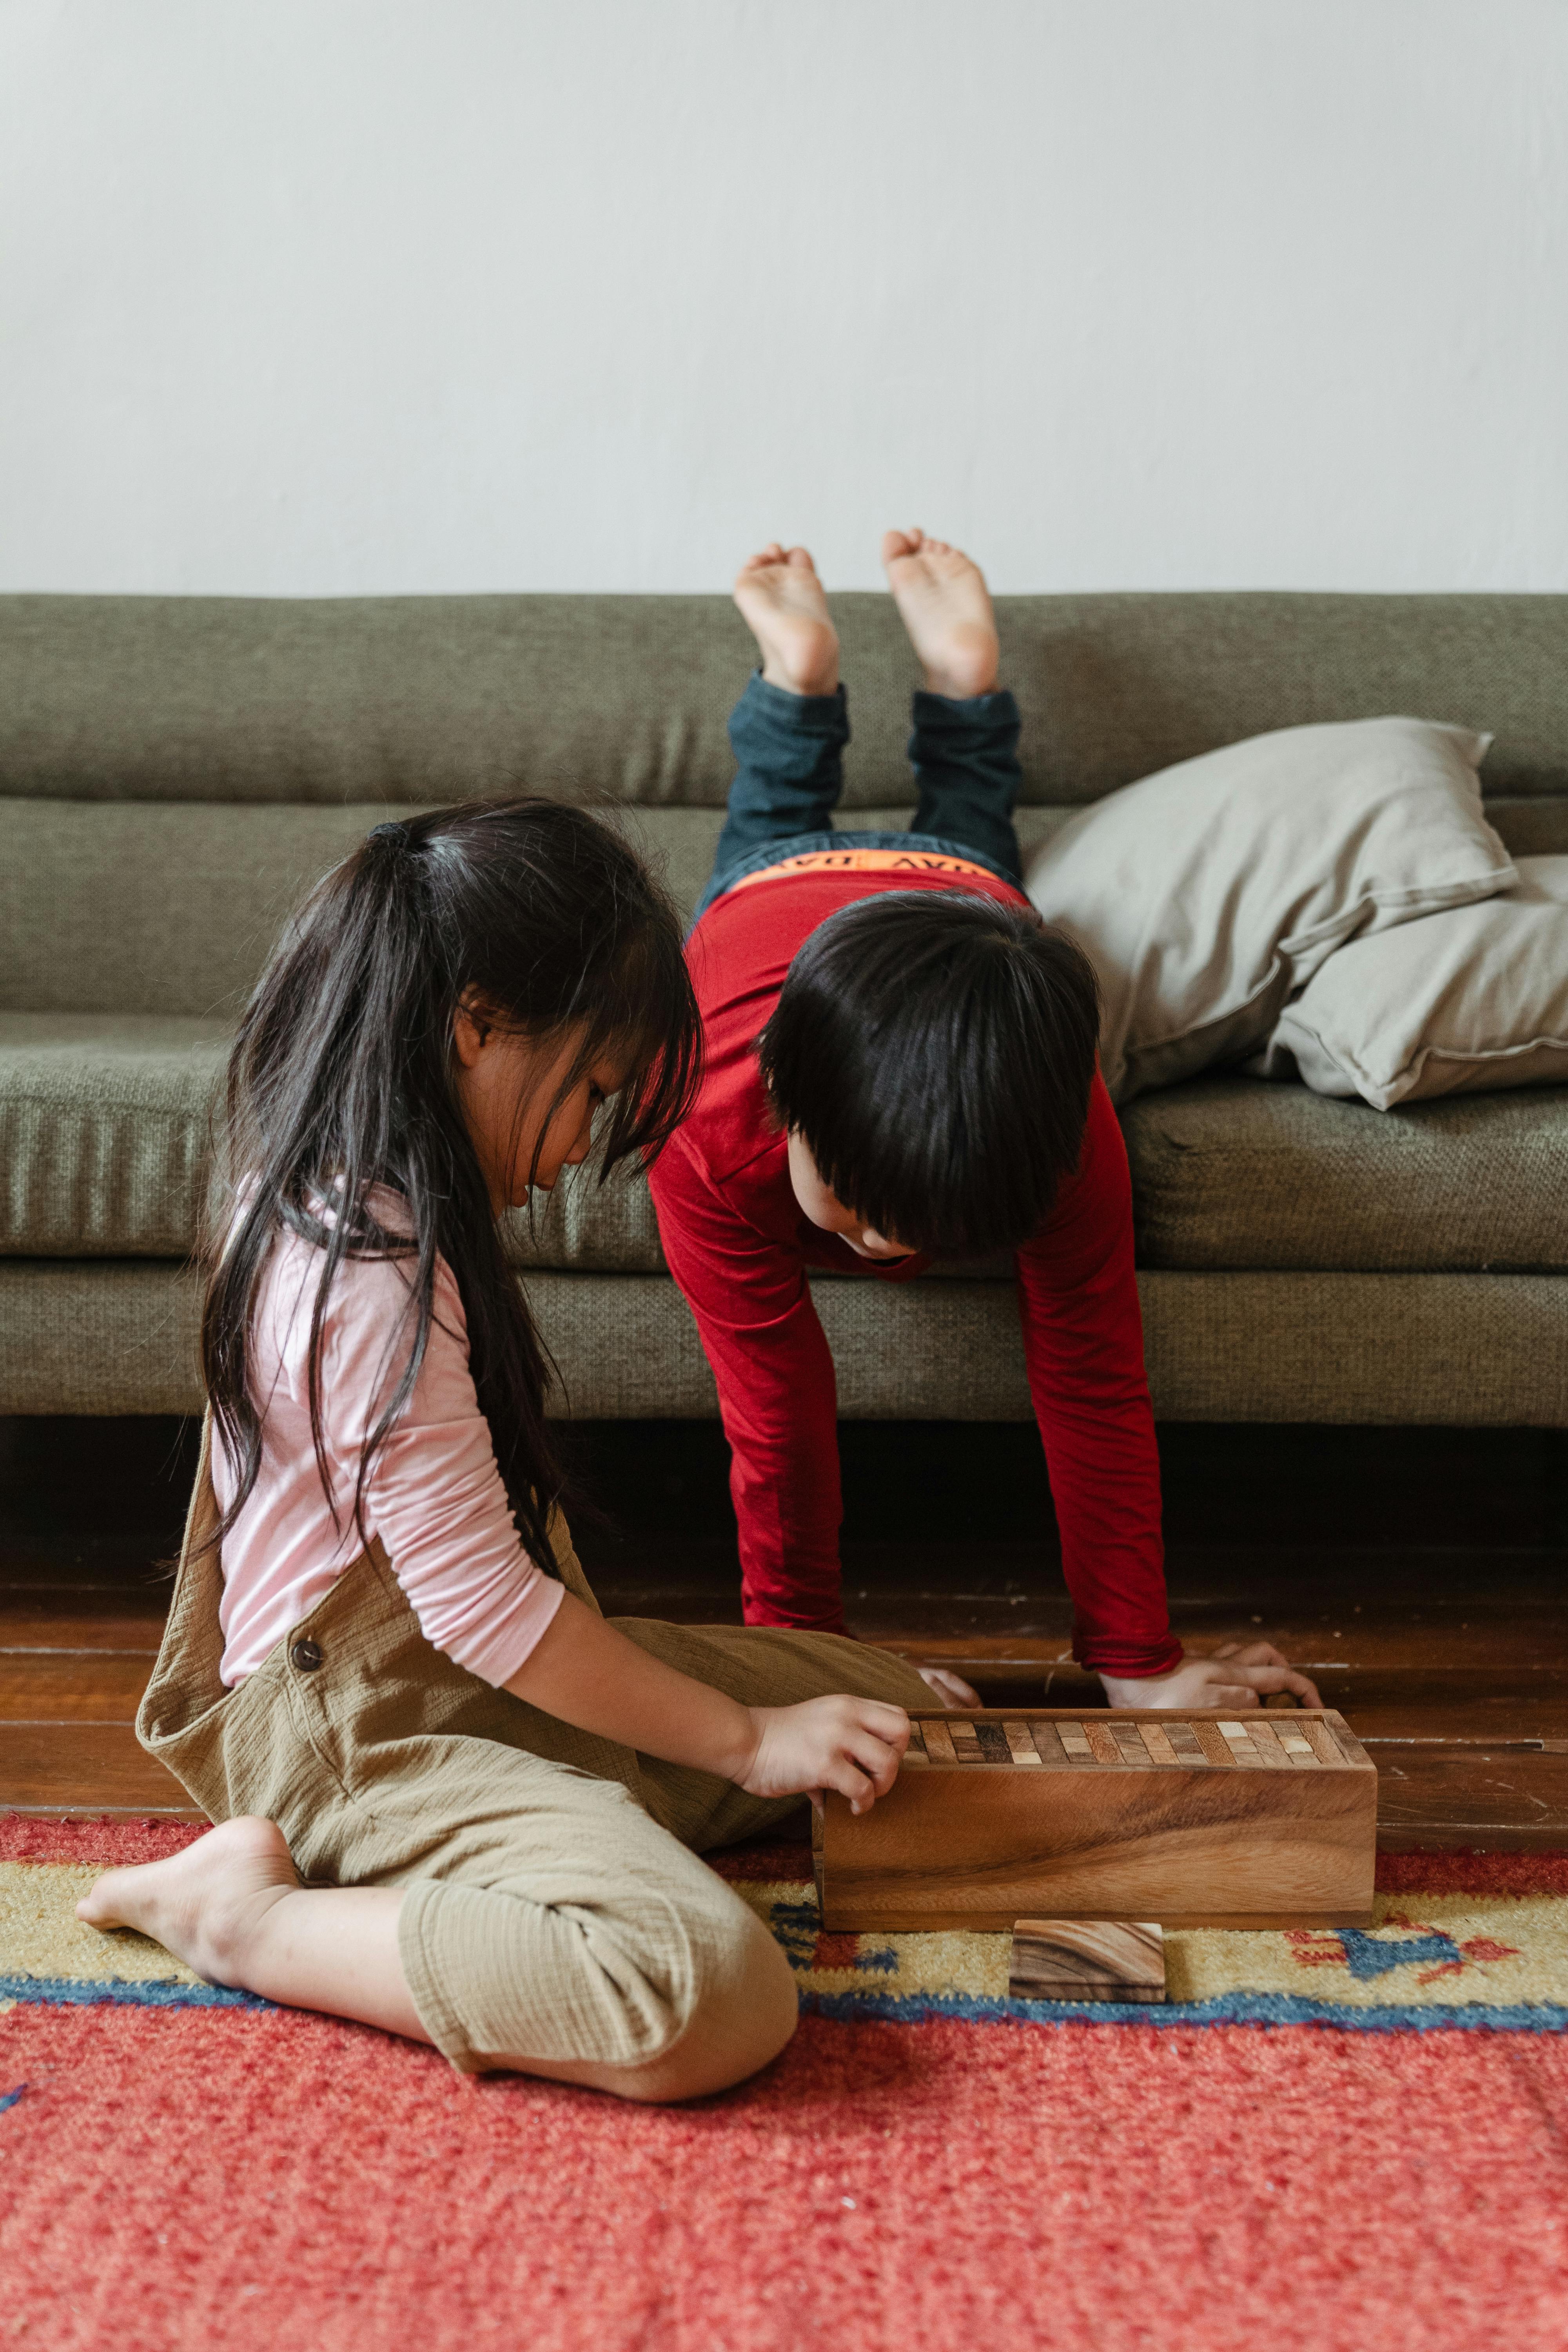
{"type": "Point", "coordinates": [203, 1905]}
{"type": "Point", "coordinates": [946, 605]}
{"type": "Point", "coordinates": [786, 611]}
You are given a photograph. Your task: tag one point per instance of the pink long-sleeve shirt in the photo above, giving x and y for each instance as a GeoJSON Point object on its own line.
{"type": "Point", "coordinates": [435, 1496]}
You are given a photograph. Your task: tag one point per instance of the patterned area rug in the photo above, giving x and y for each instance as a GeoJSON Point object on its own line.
{"type": "Point", "coordinates": [1321, 2132]}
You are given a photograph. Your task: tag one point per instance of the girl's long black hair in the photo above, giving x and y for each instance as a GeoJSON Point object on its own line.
{"type": "Point", "coordinates": [341, 1082]}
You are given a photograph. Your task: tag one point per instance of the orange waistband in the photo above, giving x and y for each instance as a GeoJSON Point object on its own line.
{"type": "Point", "coordinates": [864, 861]}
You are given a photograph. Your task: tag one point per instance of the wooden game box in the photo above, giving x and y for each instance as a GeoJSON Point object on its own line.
{"type": "Point", "coordinates": [1197, 1820]}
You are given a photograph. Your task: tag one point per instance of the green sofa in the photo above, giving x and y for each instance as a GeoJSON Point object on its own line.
{"type": "Point", "coordinates": [174, 771]}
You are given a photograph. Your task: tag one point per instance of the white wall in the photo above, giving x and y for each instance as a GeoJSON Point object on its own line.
{"type": "Point", "coordinates": [322, 296]}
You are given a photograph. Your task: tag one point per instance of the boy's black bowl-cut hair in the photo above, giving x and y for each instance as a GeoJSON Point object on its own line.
{"type": "Point", "coordinates": [934, 1049]}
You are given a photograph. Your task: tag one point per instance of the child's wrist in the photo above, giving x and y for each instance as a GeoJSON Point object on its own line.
{"type": "Point", "coordinates": [742, 1737]}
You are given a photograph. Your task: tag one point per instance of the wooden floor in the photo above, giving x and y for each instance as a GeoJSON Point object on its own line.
{"type": "Point", "coordinates": [1418, 1576]}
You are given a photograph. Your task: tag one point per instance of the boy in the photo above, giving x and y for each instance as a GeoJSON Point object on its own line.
{"type": "Point", "coordinates": [899, 1061]}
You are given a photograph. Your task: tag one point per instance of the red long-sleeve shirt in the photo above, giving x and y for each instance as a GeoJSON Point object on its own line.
{"type": "Point", "coordinates": [739, 1245]}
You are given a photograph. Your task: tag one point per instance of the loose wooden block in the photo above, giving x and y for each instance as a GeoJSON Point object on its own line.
{"type": "Point", "coordinates": [1087, 1959]}
{"type": "Point", "coordinates": [1196, 1821]}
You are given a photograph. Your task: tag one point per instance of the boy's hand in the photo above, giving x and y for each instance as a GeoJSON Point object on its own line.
{"type": "Point", "coordinates": [950, 1689]}
{"type": "Point", "coordinates": [1233, 1676]}
{"type": "Point", "coordinates": [852, 1745]}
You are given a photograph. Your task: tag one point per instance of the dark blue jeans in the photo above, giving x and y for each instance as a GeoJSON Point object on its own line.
{"type": "Point", "coordinates": [789, 754]}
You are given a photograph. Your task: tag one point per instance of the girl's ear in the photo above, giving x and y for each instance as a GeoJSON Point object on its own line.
{"type": "Point", "coordinates": [470, 1030]}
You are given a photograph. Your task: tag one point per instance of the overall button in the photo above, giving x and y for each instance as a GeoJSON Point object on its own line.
{"type": "Point", "coordinates": [307, 1656]}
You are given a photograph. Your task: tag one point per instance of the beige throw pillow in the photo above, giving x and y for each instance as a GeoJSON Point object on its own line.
{"type": "Point", "coordinates": [1457, 1004]}
{"type": "Point", "coordinates": [1206, 894]}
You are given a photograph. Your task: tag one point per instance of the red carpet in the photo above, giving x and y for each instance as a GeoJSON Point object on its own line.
{"type": "Point", "coordinates": [184, 2176]}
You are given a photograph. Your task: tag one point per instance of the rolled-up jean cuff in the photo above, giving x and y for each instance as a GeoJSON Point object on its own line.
{"type": "Point", "coordinates": [802, 714]}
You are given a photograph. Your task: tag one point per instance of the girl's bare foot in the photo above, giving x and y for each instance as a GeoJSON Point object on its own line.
{"type": "Point", "coordinates": [204, 1905]}
{"type": "Point", "coordinates": [232, 1907]}
{"type": "Point", "coordinates": [781, 596]}
{"type": "Point", "coordinates": [946, 605]}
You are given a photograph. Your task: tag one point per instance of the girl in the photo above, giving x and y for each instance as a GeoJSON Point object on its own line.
{"type": "Point", "coordinates": [454, 1801]}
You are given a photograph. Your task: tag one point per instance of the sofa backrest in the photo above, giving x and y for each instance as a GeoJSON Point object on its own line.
{"type": "Point", "coordinates": [175, 770]}
{"type": "Point", "coordinates": [414, 698]}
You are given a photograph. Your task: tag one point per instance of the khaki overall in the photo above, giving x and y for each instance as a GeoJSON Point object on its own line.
{"type": "Point", "coordinates": [555, 1908]}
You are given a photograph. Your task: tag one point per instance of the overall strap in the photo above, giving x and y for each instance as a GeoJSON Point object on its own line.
{"type": "Point", "coordinates": [185, 1684]}
{"type": "Point", "coordinates": [202, 1512]}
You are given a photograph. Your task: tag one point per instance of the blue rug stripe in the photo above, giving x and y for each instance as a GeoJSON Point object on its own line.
{"type": "Point", "coordinates": [126, 1993]}
{"type": "Point", "coordinates": [909, 2008]}
{"type": "Point", "coordinates": [1226, 2009]}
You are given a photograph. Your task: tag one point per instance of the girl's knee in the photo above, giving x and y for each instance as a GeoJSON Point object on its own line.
{"type": "Point", "coordinates": [666, 1988]}
{"type": "Point", "coordinates": [738, 2011]}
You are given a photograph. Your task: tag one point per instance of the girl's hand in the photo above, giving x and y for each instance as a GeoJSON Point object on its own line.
{"type": "Point", "coordinates": [1233, 1676]}
{"type": "Point", "coordinates": [852, 1745]}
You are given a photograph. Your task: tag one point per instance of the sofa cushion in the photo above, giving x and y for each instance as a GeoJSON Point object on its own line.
{"type": "Point", "coordinates": [623, 697]}
{"type": "Point", "coordinates": [1203, 895]}
{"type": "Point", "coordinates": [584, 1227]}
{"type": "Point", "coordinates": [105, 1129]}
{"type": "Point", "coordinates": [1470, 1001]}
{"type": "Point", "coordinates": [172, 907]}
{"type": "Point", "coordinates": [1231, 1172]}
{"type": "Point", "coordinates": [144, 908]}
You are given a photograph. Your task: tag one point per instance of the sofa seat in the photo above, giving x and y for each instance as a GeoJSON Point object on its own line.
{"type": "Point", "coordinates": [105, 1128]}
{"type": "Point", "coordinates": [586, 1227]}
{"type": "Point", "coordinates": [1231, 1173]}
{"type": "Point", "coordinates": [1238, 1175]}
{"type": "Point", "coordinates": [107, 1125]}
